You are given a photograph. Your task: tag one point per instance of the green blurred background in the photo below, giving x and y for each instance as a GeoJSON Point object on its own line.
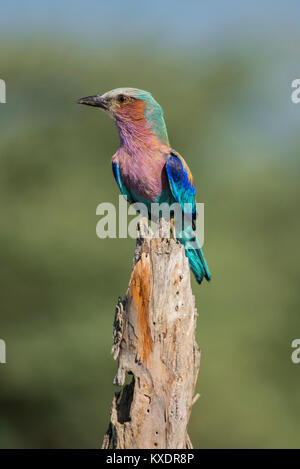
{"type": "Point", "coordinates": [223, 76]}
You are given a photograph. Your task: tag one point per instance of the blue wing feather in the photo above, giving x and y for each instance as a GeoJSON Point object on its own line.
{"type": "Point", "coordinates": [183, 191]}
{"type": "Point", "coordinates": [181, 185]}
{"type": "Point", "coordinates": [118, 178]}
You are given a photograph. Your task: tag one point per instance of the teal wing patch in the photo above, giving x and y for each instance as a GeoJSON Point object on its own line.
{"type": "Point", "coordinates": [124, 191]}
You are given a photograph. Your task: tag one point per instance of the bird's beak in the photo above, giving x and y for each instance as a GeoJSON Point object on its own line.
{"type": "Point", "coordinates": [95, 100]}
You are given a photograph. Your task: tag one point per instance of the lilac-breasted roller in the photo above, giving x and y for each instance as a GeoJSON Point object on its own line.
{"type": "Point", "coordinates": [146, 168]}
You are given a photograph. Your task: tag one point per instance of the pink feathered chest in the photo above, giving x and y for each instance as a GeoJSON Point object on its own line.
{"type": "Point", "coordinates": [144, 175]}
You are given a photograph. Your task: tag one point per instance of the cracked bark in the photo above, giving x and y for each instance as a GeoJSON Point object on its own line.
{"type": "Point", "coordinates": [154, 341]}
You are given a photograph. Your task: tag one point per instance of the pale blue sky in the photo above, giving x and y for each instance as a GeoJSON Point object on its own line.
{"type": "Point", "coordinates": [172, 22]}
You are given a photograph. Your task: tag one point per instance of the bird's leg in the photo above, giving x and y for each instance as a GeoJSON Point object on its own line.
{"type": "Point", "coordinates": [172, 228]}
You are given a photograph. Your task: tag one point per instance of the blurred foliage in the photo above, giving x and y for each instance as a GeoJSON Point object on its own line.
{"type": "Point", "coordinates": [60, 283]}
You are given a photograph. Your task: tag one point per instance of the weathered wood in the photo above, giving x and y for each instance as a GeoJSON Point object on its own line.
{"type": "Point", "coordinates": [154, 341]}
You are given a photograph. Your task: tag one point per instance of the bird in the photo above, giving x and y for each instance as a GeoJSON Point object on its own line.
{"type": "Point", "coordinates": [145, 166]}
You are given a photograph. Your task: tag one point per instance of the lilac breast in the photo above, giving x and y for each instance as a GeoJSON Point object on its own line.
{"type": "Point", "coordinates": [143, 174]}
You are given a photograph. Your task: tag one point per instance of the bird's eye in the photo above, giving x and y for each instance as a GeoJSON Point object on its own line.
{"type": "Point", "coordinates": [122, 98]}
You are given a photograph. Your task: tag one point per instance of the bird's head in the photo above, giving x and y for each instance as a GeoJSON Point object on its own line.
{"type": "Point", "coordinates": [131, 107]}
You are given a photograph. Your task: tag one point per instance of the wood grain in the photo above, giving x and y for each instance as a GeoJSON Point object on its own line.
{"type": "Point", "coordinates": [154, 342]}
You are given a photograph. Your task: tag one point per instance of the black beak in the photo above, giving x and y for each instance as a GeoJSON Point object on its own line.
{"type": "Point", "coordinates": [95, 100]}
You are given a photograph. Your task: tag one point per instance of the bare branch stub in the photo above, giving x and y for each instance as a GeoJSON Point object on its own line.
{"type": "Point", "coordinates": [154, 341]}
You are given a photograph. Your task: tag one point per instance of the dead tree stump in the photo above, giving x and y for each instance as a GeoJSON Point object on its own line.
{"type": "Point", "coordinates": [154, 341]}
